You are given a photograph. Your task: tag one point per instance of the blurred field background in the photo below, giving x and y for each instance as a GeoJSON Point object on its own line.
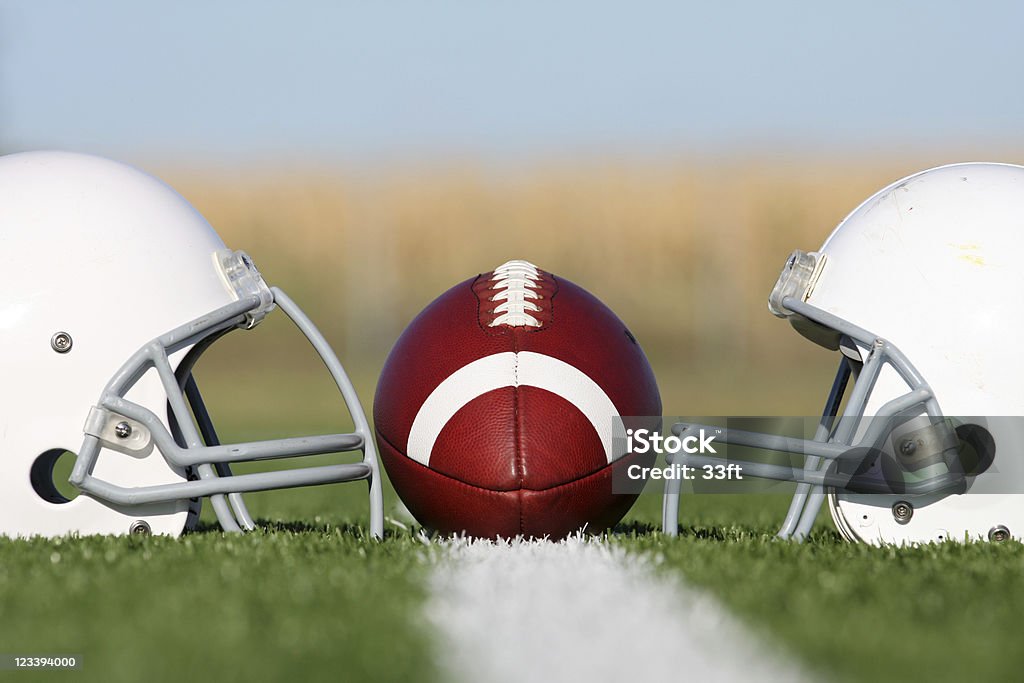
{"type": "Point", "coordinates": [685, 254]}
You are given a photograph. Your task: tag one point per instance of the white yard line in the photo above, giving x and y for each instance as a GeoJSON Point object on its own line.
{"type": "Point", "coordinates": [582, 610]}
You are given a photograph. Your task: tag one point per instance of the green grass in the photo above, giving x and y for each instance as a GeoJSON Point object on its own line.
{"type": "Point", "coordinates": [864, 614]}
{"type": "Point", "coordinates": [859, 613]}
{"type": "Point", "coordinates": [288, 602]}
{"type": "Point", "coordinates": [311, 601]}
{"type": "Point", "coordinates": [308, 597]}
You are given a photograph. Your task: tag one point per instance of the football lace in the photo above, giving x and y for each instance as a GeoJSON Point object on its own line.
{"type": "Point", "coordinates": [516, 282]}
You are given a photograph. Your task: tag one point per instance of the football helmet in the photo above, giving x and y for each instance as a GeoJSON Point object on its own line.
{"type": "Point", "coordinates": [921, 290]}
{"type": "Point", "coordinates": [113, 287]}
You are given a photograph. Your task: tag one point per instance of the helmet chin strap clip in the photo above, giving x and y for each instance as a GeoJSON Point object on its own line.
{"type": "Point", "coordinates": [118, 433]}
{"type": "Point", "coordinates": [241, 277]}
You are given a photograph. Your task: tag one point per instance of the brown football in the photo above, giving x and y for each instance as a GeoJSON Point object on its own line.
{"type": "Point", "coordinates": [494, 410]}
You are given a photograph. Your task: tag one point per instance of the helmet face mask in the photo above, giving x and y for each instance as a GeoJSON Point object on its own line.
{"type": "Point", "coordinates": [143, 286]}
{"type": "Point", "coordinates": [919, 290]}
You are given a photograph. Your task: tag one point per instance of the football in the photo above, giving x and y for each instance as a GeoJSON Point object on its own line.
{"type": "Point", "coordinates": [494, 411]}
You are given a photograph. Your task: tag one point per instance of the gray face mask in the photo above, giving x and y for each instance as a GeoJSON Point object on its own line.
{"type": "Point", "coordinates": [119, 424]}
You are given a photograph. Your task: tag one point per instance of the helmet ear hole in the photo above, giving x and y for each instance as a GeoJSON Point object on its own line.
{"type": "Point", "coordinates": [49, 476]}
{"type": "Point", "coordinates": [977, 448]}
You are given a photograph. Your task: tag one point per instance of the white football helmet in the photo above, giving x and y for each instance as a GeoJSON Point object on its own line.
{"type": "Point", "coordinates": [113, 286]}
{"type": "Point", "coordinates": [921, 289]}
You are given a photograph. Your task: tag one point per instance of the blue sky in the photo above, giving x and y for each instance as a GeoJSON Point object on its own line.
{"type": "Point", "coordinates": [363, 81]}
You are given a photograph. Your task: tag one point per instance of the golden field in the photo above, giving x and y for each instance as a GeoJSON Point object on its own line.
{"type": "Point", "coordinates": [685, 253]}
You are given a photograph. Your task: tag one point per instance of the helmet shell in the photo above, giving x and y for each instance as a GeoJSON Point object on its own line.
{"type": "Point", "coordinates": [114, 258]}
{"type": "Point", "coordinates": [932, 263]}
